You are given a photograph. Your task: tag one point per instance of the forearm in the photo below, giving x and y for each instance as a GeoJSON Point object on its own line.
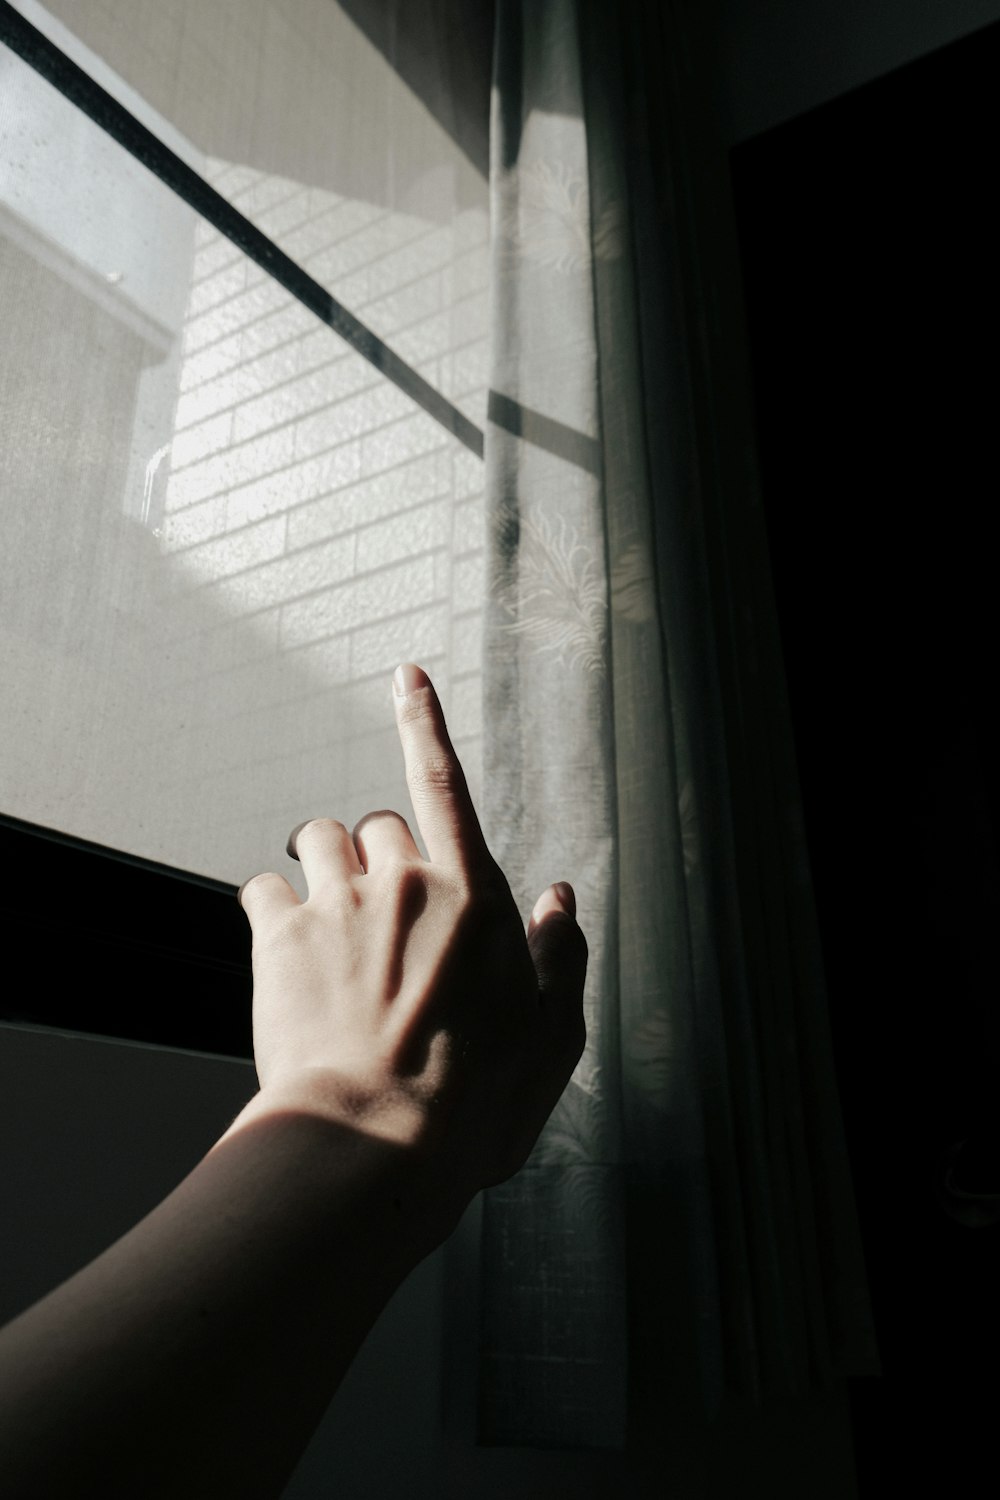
{"type": "Point", "coordinates": [198, 1353]}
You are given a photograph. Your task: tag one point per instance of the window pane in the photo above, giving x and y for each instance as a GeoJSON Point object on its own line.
{"type": "Point", "coordinates": [307, 129]}
{"type": "Point", "coordinates": [222, 527]}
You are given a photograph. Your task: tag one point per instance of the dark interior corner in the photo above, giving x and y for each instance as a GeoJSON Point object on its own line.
{"type": "Point", "coordinates": [869, 254]}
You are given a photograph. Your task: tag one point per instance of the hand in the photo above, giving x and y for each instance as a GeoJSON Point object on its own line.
{"type": "Point", "coordinates": [402, 996]}
{"type": "Point", "coordinates": [410, 1040]}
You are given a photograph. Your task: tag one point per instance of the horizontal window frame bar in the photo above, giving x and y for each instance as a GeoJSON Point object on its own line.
{"type": "Point", "coordinates": [122, 947]}
{"type": "Point", "coordinates": [105, 851]}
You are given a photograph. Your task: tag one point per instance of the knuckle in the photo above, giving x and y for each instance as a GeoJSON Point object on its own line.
{"type": "Point", "coordinates": [449, 886]}
{"type": "Point", "coordinates": [323, 825]}
{"type": "Point", "coordinates": [317, 831]}
{"type": "Point", "coordinates": [456, 889]}
{"type": "Point", "coordinates": [440, 774]}
{"type": "Point", "coordinates": [372, 817]}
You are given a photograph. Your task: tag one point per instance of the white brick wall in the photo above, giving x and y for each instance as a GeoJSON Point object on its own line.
{"type": "Point", "coordinates": [318, 526]}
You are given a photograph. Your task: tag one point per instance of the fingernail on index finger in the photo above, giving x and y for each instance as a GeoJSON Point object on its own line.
{"type": "Point", "coordinates": [407, 678]}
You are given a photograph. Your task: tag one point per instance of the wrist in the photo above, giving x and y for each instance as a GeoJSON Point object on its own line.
{"type": "Point", "coordinates": [337, 1134]}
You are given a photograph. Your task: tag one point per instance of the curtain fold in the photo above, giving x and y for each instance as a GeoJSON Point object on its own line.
{"type": "Point", "coordinates": [553, 1235]}
{"type": "Point", "coordinates": [637, 742]}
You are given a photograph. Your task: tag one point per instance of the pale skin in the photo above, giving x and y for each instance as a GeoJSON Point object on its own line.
{"type": "Point", "coordinates": [410, 1040]}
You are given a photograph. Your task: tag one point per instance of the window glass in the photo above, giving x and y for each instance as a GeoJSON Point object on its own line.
{"type": "Point", "coordinates": [223, 527]}
{"type": "Point", "coordinates": [345, 167]}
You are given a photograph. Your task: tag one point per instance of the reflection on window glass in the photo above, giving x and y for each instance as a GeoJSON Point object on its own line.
{"type": "Point", "coordinates": [223, 528]}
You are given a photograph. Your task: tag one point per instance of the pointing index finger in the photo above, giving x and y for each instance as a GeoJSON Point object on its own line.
{"type": "Point", "coordinates": [439, 791]}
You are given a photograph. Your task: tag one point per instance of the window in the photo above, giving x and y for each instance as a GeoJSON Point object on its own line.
{"type": "Point", "coordinates": [243, 280]}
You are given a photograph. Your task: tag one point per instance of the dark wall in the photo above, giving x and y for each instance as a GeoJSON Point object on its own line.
{"type": "Point", "coordinates": [779, 58]}
{"type": "Point", "coordinates": [869, 259]}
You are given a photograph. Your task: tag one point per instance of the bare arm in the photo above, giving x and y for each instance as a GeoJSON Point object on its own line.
{"type": "Point", "coordinates": [410, 1042]}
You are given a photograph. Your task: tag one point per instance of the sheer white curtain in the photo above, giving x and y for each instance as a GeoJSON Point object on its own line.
{"type": "Point", "coordinates": [691, 1194]}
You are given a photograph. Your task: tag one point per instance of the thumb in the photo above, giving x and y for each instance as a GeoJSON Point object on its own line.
{"type": "Point", "coordinates": [557, 945]}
